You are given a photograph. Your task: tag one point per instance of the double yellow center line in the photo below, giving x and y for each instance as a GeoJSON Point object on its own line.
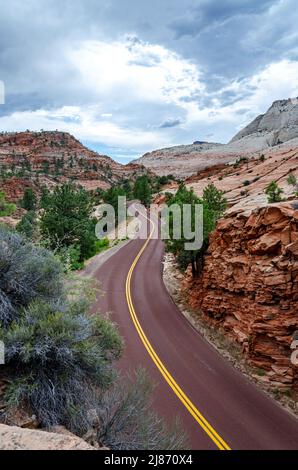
{"type": "Point", "coordinates": [209, 430]}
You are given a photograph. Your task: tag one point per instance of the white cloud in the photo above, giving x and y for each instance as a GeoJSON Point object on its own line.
{"type": "Point", "coordinates": [134, 84]}
{"type": "Point", "coordinates": [277, 81]}
{"type": "Point", "coordinates": [135, 70]}
{"type": "Point", "coordinates": [126, 78]}
{"type": "Point", "coordinates": [253, 95]}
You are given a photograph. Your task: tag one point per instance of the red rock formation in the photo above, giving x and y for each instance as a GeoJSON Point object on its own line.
{"type": "Point", "coordinates": [35, 159]}
{"type": "Point", "coordinates": [249, 287]}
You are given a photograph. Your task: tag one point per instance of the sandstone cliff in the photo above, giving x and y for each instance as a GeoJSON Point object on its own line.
{"type": "Point", "coordinates": [249, 287]}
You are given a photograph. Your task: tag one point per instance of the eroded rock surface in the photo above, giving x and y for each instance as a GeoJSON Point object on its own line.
{"type": "Point", "coordinates": [14, 438]}
{"type": "Point", "coordinates": [244, 182]}
{"type": "Point", "coordinates": [249, 287]}
{"type": "Point", "coordinates": [279, 124]}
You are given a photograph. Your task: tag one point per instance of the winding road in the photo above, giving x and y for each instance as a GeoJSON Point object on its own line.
{"type": "Point", "coordinates": [218, 406]}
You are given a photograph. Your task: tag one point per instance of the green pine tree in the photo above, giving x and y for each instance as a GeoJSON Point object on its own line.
{"type": "Point", "coordinates": [29, 200]}
{"type": "Point", "coordinates": [274, 192]}
{"type": "Point", "coordinates": [142, 190]}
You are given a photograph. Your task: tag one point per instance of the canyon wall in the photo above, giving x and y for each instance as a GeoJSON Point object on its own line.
{"type": "Point", "coordinates": [249, 287]}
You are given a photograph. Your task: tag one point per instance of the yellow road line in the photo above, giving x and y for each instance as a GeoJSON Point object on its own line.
{"type": "Point", "coordinates": [209, 430]}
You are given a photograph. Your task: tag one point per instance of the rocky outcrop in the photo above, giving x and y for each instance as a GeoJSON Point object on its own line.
{"type": "Point", "coordinates": [36, 159]}
{"type": "Point", "coordinates": [278, 125]}
{"type": "Point", "coordinates": [15, 438]}
{"type": "Point", "coordinates": [244, 181]}
{"type": "Point", "coordinates": [249, 287]}
{"type": "Point", "coordinates": [182, 160]}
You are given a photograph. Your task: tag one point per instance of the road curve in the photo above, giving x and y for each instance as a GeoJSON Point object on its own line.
{"type": "Point", "coordinates": [230, 412]}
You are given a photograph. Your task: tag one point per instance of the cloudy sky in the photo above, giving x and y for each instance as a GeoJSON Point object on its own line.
{"type": "Point", "coordinates": [129, 76]}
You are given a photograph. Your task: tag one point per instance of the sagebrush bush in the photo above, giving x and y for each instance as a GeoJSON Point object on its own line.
{"type": "Point", "coordinates": [54, 350]}
{"type": "Point", "coordinates": [128, 422]}
{"type": "Point", "coordinates": [28, 226]}
{"type": "Point", "coordinates": [70, 258]}
{"type": "Point", "coordinates": [292, 179]}
{"type": "Point", "coordinates": [27, 273]}
{"type": "Point", "coordinates": [6, 208]}
{"type": "Point", "coordinates": [63, 354]}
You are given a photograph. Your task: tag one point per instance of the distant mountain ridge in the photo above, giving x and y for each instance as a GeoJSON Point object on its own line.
{"type": "Point", "coordinates": [277, 126]}
{"type": "Point", "coordinates": [47, 158]}
{"type": "Point", "coordinates": [180, 160]}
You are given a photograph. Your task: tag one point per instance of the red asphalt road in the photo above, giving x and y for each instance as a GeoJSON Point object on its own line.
{"type": "Point", "coordinates": [239, 412]}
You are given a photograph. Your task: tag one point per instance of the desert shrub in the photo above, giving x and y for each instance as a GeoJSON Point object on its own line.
{"type": "Point", "coordinates": [28, 226]}
{"type": "Point", "coordinates": [162, 180]}
{"type": "Point", "coordinates": [292, 180]}
{"type": "Point", "coordinates": [121, 427]}
{"type": "Point", "coordinates": [56, 353]}
{"type": "Point", "coordinates": [274, 192]}
{"type": "Point", "coordinates": [61, 352]}
{"type": "Point", "coordinates": [214, 199]}
{"type": "Point", "coordinates": [101, 245]}
{"type": "Point", "coordinates": [246, 183]}
{"type": "Point", "coordinates": [70, 258]}
{"type": "Point", "coordinates": [6, 208]}
{"type": "Point", "coordinates": [29, 200]}
{"type": "Point", "coordinates": [127, 187]}
{"type": "Point", "coordinates": [184, 259]}
{"type": "Point", "coordinates": [158, 182]}
{"type": "Point", "coordinates": [27, 273]}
